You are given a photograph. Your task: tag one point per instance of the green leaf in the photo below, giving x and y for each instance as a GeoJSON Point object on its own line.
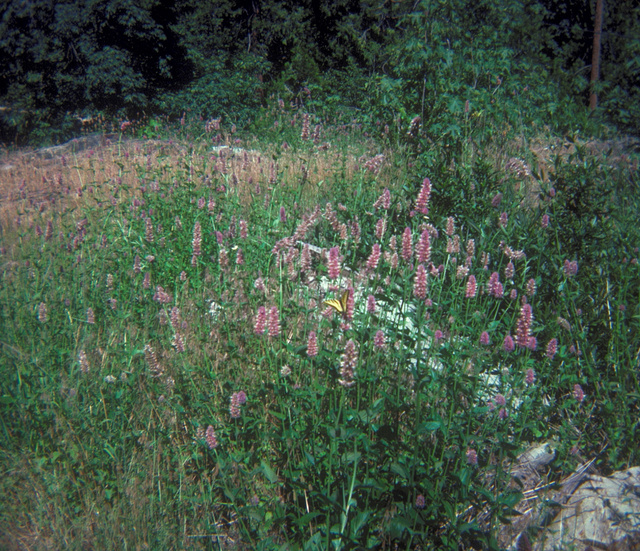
{"type": "Point", "coordinates": [400, 470]}
{"type": "Point", "coordinates": [429, 426]}
{"type": "Point", "coordinates": [269, 472]}
{"type": "Point", "coordinates": [358, 522]}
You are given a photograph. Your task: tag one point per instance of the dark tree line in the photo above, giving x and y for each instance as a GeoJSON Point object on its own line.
{"type": "Point", "coordinates": [125, 57]}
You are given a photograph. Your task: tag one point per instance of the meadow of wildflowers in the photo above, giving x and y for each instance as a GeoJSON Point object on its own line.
{"type": "Point", "coordinates": [171, 378]}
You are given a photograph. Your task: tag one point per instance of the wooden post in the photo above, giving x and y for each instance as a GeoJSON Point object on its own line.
{"type": "Point", "coordinates": [595, 57]}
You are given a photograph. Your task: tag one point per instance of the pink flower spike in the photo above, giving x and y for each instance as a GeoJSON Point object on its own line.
{"type": "Point", "coordinates": [472, 457]}
{"type": "Point", "coordinates": [379, 339]}
{"type": "Point", "coordinates": [508, 344]}
{"type": "Point", "coordinates": [530, 376]}
{"type": "Point", "coordinates": [484, 338]}
{"type": "Point", "coordinates": [423, 250]}
{"type": "Point", "coordinates": [422, 201]}
{"type": "Point", "coordinates": [524, 326]}
{"type": "Point", "coordinates": [509, 271]}
{"type": "Point", "coordinates": [351, 304]}
{"type": "Point", "coordinates": [42, 312]}
{"type": "Point", "coordinates": [312, 345]}
{"type": "Point", "coordinates": [197, 239]}
{"type": "Point", "coordinates": [274, 322]}
{"type": "Point", "coordinates": [451, 227]}
{"type": "Point", "coordinates": [384, 201]}
{"type": "Point", "coordinates": [504, 220]}
{"type": "Point", "coordinates": [494, 279]}
{"type": "Point", "coordinates": [374, 257]}
{"type": "Point", "coordinates": [545, 221]}
{"type": "Point", "coordinates": [243, 229]}
{"type": "Point", "coordinates": [471, 287]}
{"type": "Point", "coordinates": [223, 257]}
{"type": "Point", "coordinates": [570, 268]}
{"type": "Point", "coordinates": [407, 245]}
{"type": "Point", "coordinates": [420, 282]}
{"type": "Point", "coordinates": [334, 263]}
{"type": "Point", "coordinates": [261, 321]}
{"type": "Point", "coordinates": [371, 304]}
{"type": "Point", "coordinates": [348, 364]}
{"type": "Point", "coordinates": [531, 287]}
{"type": "Point", "coordinates": [210, 437]}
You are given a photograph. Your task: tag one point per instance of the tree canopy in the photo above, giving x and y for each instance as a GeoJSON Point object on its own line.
{"type": "Point", "coordinates": [222, 57]}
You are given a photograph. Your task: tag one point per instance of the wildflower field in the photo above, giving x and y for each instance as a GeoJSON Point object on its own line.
{"type": "Point", "coordinates": [171, 376]}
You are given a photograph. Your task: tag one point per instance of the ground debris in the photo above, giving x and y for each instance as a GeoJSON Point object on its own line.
{"type": "Point", "coordinates": [585, 510]}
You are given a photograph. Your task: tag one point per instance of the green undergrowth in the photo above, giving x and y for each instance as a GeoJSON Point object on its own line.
{"type": "Point", "coordinates": [146, 402]}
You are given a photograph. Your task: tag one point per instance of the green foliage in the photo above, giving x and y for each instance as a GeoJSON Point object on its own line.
{"type": "Point", "coordinates": [620, 72]}
{"type": "Point", "coordinates": [106, 421]}
{"type": "Point", "coordinates": [207, 29]}
{"type": "Point", "coordinates": [514, 63]}
{"type": "Point", "coordinates": [112, 414]}
{"type": "Point", "coordinates": [568, 43]}
{"type": "Point", "coordinates": [69, 57]}
{"type": "Point", "coordinates": [231, 89]}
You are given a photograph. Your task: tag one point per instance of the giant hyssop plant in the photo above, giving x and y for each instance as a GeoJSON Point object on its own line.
{"type": "Point", "coordinates": [171, 375]}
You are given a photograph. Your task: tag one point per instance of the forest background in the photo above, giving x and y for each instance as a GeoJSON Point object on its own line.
{"type": "Point", "coordinates": [65, 63]}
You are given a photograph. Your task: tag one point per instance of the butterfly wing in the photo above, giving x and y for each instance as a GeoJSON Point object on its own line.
{"type": "Point", "coordinates": [343, 301]}
{"type": "Point", "coordinates": [340, 306]}
{"type": "Point", "coordinates": [334, 303]}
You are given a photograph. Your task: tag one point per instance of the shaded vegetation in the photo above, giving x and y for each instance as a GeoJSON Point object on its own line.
{"type": "Point", "coordinates": [62, 62]}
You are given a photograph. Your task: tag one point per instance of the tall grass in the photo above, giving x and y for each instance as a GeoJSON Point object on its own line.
{"type": "Point", "coordinates": [171, 377]}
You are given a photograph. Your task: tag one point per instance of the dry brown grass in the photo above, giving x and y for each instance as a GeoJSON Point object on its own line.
{"type": "Point", "coordinates": [37, 184]}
